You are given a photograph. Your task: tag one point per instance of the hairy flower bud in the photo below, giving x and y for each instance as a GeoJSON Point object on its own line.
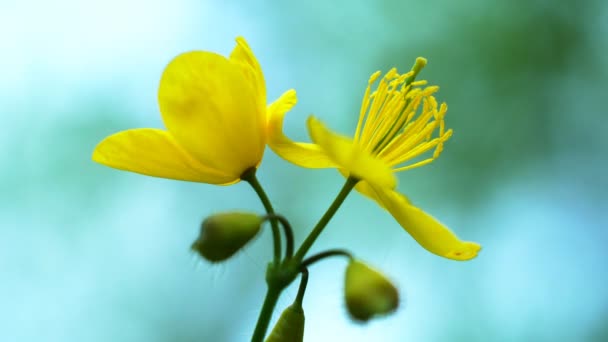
{"type": "Point", "coordinates": [224, 234]}
{"type": "Point", "coordinates": [368, 293]}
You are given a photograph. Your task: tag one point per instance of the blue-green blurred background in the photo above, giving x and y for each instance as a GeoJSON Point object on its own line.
{"type": "Point", "coordinates": [88, 253]}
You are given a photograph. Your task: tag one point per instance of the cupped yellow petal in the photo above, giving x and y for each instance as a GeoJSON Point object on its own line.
{"type": "Point", "coordinates": [243, 56]}
{"type": "Point", "coordinates": [350, 157]}
{"type": "Point", "coordinates": [425, 229]}
{"type": "Point", "coordinates": [302, 154]}
{"type": "Point", "coordinates": [212, 110]}
{"type": "Point", "coordinates": [155, 152]}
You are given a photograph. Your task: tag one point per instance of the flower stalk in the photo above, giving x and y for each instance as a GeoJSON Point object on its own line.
{"type": "Point", "coordinates": [287, 230]}
{"type": "Point", "coordinates": [318, 229]}
{"type": "Point", "coordinates": [279, 275]}
{"type": "Point", "coordinates": [250, 177]}
{"type": "Point", "coordinates": [326, 254]}
{"type": "Point", "coordinates": [270, 301]}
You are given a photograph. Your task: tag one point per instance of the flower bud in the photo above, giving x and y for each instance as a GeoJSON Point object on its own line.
{"type": "Point", "coordinates": [368, 293]}
{"type": "Point", "coordinates": [224, 234]}
{"type": "Point", "coordinates": [290, 326]}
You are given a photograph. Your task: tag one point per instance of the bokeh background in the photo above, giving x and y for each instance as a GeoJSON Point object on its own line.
{"type": "Point", "coordinates": [88, 253]}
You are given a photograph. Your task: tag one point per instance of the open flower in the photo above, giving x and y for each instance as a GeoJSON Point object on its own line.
{"type": "Point", "coordinates": [399, 122]}
{"type": "Point", "coordinates": [214, 109]}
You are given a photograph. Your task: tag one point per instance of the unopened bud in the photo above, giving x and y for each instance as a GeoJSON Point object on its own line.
{"type": "Point", "coordinates": [290, 326]}
{"type": "Point", "coordinates": [224, 234]}
{"type": "Point", "coordinates": [368, 293]}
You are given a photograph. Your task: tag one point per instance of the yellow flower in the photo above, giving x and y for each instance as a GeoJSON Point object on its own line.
{"type": "Point", "coordinates": [214, 109]}
{"type": "Point", "coordinates": [399, 122]}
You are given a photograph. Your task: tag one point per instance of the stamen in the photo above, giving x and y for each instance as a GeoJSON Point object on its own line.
{"type": "Point", "coordinates": [412, 107]}
{"type": "Point", "coordinates": [430, 90]}
{"type": "Point", "coordinates": [365, 102]}
{"type": "Point", "coordinates": [389, 124]}
{"type": "Point", "coordinates": [422, 120]}
{"type": "Point", "coordinates": [440, 116]}
{"type": "Point", "coordinates": [390, 116]}
{"type": "Point", "coordinates": [415, 165]}
{"type": "Point", "coordinates": [375, 98]}
{"type": "Point", "coordinates": [411, 145]}
{"type": "Point", "coordinates": [417, 133]}
{"type": "Point", "coordinates": [439, 147]}
{"type": "Point", "coordinates": [388, 113]}
{"type": "Point", "coordinates": [422, 149]}
{"type": "Point", "coordinates": [401, 135]}
{"type": "Point", "coordinates": [398, 119]}
{"type": "Point", "coordinates": [418, 150]}
{"type": "Point", "coordinates": [419, 83]}
{"type": "Point", "coordinates": [379, 99]}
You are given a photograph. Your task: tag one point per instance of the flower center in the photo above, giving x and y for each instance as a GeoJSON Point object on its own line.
{"type": "Point", "coordinates": [398, 120]}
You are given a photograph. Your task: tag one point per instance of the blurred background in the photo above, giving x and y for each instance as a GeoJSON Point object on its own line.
{"type": "Point", "coordinates": [88, 253]}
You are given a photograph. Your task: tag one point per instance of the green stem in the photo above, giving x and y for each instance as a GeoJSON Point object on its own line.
{"type": "Point", "coordinates": [249, 176]}
{"type": "Point", "coordinates": [272, 296]}
{"type": "Point", "coordinates": [302, 288]}
{"type": "Point", "coordinates": [288, 233]}
{"type": "Point", "coordinates": [316, 231]}
{"type": "Point", "coordinates": [280, 275]}
{"type": "Point", "coordinates": [328, 253]}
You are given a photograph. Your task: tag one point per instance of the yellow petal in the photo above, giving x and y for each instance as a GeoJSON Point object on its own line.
{"type": "Point", "coordinates": [350, 156]}
{"type": "Point", "coordinates": [154, 152]}
{"type": "Point", "coordinates": [367, 190]}
{"type": "Point", "coordinates": [243, 56]}
{"type": "Point", "coordinates": [429, 232]}
{"type": "Point", "coordinates": [301, 154]}
{"type": "Point", "coordinates": [212, 111]}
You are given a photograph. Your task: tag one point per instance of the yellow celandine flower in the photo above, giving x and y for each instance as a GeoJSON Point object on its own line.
{"type": "Point", "coordinates": [397, 124]}
{"type": "Point", "coordinates": [214, 109]}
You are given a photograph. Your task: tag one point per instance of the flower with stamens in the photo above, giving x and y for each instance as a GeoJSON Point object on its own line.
{"type": "Point", "coordinates": [400, 121]}
{"type": "Point", "coordinates": [214, 109]}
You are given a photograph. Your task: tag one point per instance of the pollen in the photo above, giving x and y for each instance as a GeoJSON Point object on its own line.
{"type": "Point", "coordinates": [401, 121]}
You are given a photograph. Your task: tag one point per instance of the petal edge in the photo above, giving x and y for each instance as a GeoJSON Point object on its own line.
{"type": "Point", "coordinates": [154, 152]}
{"type": "Point", "coordinates": [302, 154]}
{"type": "Point", "coordinates": [425, 229]}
